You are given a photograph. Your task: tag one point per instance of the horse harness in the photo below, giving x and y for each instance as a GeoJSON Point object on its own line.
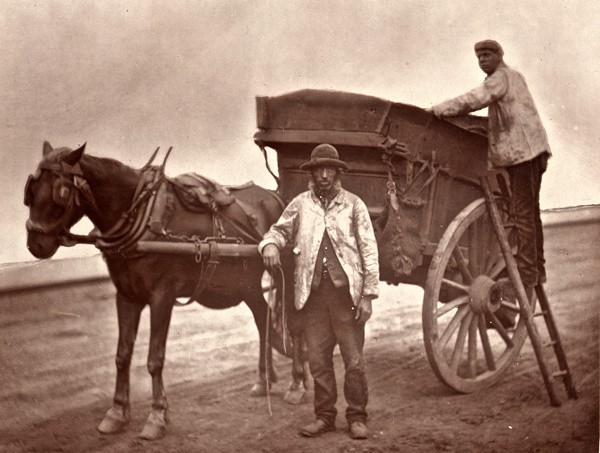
{"type": "Point", "coordinates": [120, 240]}
{"type": "Point", "coordinates": [67, 190]}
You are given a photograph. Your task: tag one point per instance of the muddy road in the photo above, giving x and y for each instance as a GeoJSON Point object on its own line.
{"type": "Point", "coordinates": [57, 350]}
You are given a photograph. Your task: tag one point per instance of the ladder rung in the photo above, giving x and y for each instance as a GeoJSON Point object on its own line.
{"type": "Point", "coordinates": [540, 313]}
{"type": "Point", "coordinates": [560, 373]}
{"type": "Point", "coordinates": [550, 343]}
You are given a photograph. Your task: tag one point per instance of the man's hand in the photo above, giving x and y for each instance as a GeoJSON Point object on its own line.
{"type": "Point", "coordinates": [364, 310]}
{"type": "Point", "coordinates": [270, 256]}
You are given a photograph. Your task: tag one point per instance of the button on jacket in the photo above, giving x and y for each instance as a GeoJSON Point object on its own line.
{"type": "Point", "coordinates": [349, 227]}
{"type": "Point", "coordinates": [515, 130]}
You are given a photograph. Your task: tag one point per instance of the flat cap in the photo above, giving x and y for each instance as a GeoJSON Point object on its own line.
{"type": "Point", "coordinates": [489, 44]}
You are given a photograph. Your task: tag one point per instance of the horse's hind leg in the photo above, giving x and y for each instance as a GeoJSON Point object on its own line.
{"type": "Point", "coordinates": [259, 310]}
{"type": "Point", "coordinates": [160, 317]}
{"type": "Point", "coordinates": [297, 387]}
{"type": "Point", "coordinates": [117, 416]}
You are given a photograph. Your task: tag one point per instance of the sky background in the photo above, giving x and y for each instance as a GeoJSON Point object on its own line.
{"type": "Point", "coordinates": [128, 76]}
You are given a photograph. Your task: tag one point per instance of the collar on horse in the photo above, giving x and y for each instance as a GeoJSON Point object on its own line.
{"type": "Point", "coordinates": [123, 236]}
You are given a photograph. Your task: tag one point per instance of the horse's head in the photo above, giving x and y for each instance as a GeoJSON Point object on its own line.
{"type": "Point", "coordinates": [52, 194]}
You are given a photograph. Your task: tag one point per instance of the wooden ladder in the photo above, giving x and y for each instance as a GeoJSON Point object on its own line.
{"type": "Point", "coordinates": [526, 310]}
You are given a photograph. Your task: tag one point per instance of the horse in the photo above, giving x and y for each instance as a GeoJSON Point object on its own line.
{"type": "Point", "coordinates": [127, 206]}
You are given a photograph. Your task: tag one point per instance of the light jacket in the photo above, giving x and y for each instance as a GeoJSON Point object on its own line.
{"type": "Point", "coordinates": [515, 131]}
{"type": "Point", "coordinates": [349, 226]}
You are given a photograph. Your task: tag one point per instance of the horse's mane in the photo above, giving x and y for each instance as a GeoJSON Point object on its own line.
{"type": "Point", "coordinates": [108, 165]}
{"type": "Point", "coordinates": [99, 165]}
{"type": "Point", "coordinates": [106, 176]}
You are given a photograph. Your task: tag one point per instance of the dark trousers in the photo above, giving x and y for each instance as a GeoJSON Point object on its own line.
{"type": "Point", "coordinates": [525, 182]}
{"type": "Point", "coordinates": [328, 319]}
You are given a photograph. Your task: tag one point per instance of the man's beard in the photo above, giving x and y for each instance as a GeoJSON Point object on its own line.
{"type": "Point", "coordinates": [327, 193]}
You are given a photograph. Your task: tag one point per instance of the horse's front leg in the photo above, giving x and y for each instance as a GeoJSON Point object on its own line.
{"type": "Point", "coordinates": [117, 417]}
{"type": "Point", "coordinates": [259, 310]}
{"type": "Point", "coordinates": [160, 318]}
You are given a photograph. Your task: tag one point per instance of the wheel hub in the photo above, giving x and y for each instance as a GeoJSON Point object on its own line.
{"type": "Point", "coordinates": [484, 295]}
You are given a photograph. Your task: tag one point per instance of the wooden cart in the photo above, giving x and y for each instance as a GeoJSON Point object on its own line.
{"type": "Point", "coordinates": [425, 183]}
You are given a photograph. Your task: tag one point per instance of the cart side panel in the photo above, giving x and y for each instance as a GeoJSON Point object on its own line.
{"type": "Point", "coordinates": [322, 110]}
{"type": "Point", "coordinates": [436, 164]}
{"type": "Point", "coordinates": [450, 196]}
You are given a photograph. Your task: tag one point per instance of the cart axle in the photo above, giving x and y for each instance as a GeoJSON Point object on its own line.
{"type": "Point", "coordinates": [484, 295]}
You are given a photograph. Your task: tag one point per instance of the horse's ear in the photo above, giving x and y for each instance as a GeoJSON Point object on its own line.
{"type": "Point", "coordinates": [47, 149]}
{"type": "Point", "coordinates": [73, 157]}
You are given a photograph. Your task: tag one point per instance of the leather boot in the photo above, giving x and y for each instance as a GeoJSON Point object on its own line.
{"type": "Point", "coordinates": [358, 430]}
{"type": "Point", "coordinates": [317, 428]}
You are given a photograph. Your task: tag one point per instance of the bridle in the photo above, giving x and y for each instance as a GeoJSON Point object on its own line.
{"type": "Point", "coordinates": [67, 190]}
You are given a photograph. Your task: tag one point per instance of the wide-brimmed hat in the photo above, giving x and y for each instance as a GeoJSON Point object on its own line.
{"type": "Point", "coordinates": [324, 155]}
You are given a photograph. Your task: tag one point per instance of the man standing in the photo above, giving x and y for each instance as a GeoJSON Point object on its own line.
{"type": "Point", "coordinates": [518, 143]}
{"type": "Point", "coordinates": [336, 277]}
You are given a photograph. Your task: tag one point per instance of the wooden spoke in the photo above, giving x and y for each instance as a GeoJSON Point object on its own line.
{"type": "Point", "coordinates": [454, 285]}
{"type": "Point", "coordinates": [494, 257]}
{"type": "Point", "coordinates": [512, 307]}
{"type": "Point", "coordinates": [462, 265]}
{"type": "Point", "coordinates": [474, 243]}
{"type": "Point", "coordinates": [460, 341]}
{"type": "Point", "coordinates": [452, 305]}
{"type": "Point", "coordinates": [485, 343]}
{"type": "Point", "coordinates": [485, 242]}
{"type": "Point", "coordinates": [501, 330]}
{"type": "Point", "coordinates": [472, 347]}
{"type": "Point", "coordinates": [454, 323]}
{"type": "Point", "coordinates": [496, 268]}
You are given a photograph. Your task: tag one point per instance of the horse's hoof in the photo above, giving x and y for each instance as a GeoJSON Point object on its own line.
{"type": "Point", "coordinates": [259, 389]}
{"type": "Point", "coordinates": [156, 426]}
{"type": "Point", "coordinates": [115, 420]}
{"type": "Point", "coordinates": [295, 393]}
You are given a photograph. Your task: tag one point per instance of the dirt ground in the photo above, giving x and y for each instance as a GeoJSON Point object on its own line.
{"type": "Point", "coordinates": [57, 374]}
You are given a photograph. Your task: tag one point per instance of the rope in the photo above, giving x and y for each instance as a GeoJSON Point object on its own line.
{"type": "Point", "coordinates": [267, 370]}
{"type": "Point", "coordinates": [264, 152]}
{"type": "Point", "coordinates": [268, 330]}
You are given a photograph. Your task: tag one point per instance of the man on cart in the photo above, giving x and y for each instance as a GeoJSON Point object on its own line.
{"type": "Point", "coordinates": [517, 143]}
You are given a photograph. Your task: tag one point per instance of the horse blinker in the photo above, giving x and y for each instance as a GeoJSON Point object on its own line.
{"type": "Point", "coordinates": [62, 192]}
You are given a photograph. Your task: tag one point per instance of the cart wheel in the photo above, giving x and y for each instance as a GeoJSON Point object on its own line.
{"type": "Point", "coordinates": [469, 304]}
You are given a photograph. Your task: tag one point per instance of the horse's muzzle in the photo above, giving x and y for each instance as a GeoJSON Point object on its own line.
{"type": "Point", "coordinates": [42, 245]}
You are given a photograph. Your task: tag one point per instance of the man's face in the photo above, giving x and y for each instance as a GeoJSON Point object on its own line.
{"type": "Point", "coordinates": [488, 60]}
{"type": "Point", "coordinates": [324, 177]}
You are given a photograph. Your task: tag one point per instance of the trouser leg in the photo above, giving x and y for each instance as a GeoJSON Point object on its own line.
{"type": "Point", "coordinates": [321, 342]}
{"type": "Point", "coordinates": [350, 337]}
{"type": "Point", "coordinates": [525, 180]}
{"type": "Point", "coordinates": [541, 164]}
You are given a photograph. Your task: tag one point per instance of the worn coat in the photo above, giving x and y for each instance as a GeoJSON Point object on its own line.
{"type": "Point", "coordinates": [349, 226]}
{"type": "Point", "coordinates": [515, 131]}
